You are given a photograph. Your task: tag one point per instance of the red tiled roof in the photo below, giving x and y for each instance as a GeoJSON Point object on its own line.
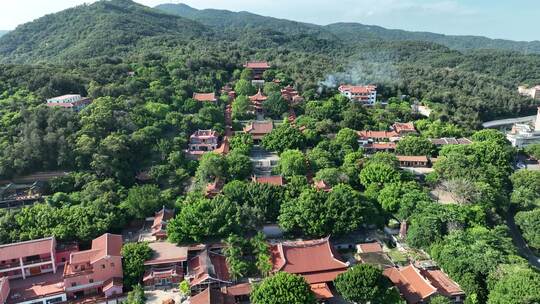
{"type": "Point", "coordinates": [258, 97]}
{"type": "Point", "coordinates": [381, 146]}
{"type": "Point", "coordinates": [403, 127]}
{"type": "Point", "coordinates": [445, 286]}
{"type": "Point", "coordinates": [321, 185]}
{"type": "Point", "coordinates": [410, 283]}
{"type": "Point", "coordinates": [224, 148]}
{"type": "Point", "coordinates": [204, 96]}
{"type": "Point", "coordinates": [257, 65]}
{"type": "Point", "coordinates": [160, 220]}
{"type": "Point", "coordinates": [321, 291]}
{"type": "Point", "coordinates": [165, 252]}
{"type": "Point", "coordinates": [299, 258]}
{"type": "Point", "coordinates": [36, 286]}
{"type": "Point", "coordinates": [237, 290]}
{"type": "Point", "coordinates": [259, 127]}
{"type": "Point", "coordinates": [105, 245]}
{"type": "Point", "coordinates": [276, 180]}
{"type": "Point", "coordinates": [27, 248]}
{"type": "Point", "coordinates": [209, 296]}
{"type": "Point", "coordinates": [370, 247]}
{"type": "Point", "coordinates": [204, 134]}
{"type": "Point", "coordinates": [407, 158]}
{"type": "Point", "coordinates": [357, 89]}
{"type": "Point", "coordinates": [377, 134]}
{"type": "Point", "coordinates": [208, 265]}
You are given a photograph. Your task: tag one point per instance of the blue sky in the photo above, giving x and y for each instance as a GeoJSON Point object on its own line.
{"type": "Point", "coordinates": [508, 19]}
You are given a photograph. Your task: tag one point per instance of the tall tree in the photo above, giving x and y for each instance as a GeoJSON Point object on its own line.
{"type": "Point", "coordinates": [282, 288]}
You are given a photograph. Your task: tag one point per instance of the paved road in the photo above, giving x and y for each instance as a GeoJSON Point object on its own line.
{"type": "Point", "coordinates": [39, 176]}
{"type": "Point", "coordinates": [508, 121]}
{"type": "Point", "coordinates": [520, 243]}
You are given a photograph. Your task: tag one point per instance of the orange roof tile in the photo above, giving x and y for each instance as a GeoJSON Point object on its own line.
{"type": "Point", "coordinates": [208, 265]}
{"type": "Point", "coordinates": [407, 158]}
{"type": "Point", "coordinates": [276, 180]}
{"type": "Point", "coordinates": [258, 97]}
{"type": "Point", "coordinates": [257, 65]}
{"type": "Point", "coordinates": [205, 96]}
{"type": "Point", "coordinates": [321, 291]}
{"type": "Point", "coordinates": [410, 283]}
{"type": "Point", "coordinates": [377, 134]}
{"type": "Point", "coordinates": [357, 89]}
{"type": "Point", "coordinates": [105, 245]}
{"type": "Point", "coordinates": [403, 127]}
{"type": "Point", "coordinates": [259, 127]}
{"type": "Point", "coordinates": [297, 257]}
{"type": "Point", "coordinates": [165, 252]}
{"type": "Point", "coordinates": [445, 286]}
{"type": "Point", "coordinates": [209, 296]}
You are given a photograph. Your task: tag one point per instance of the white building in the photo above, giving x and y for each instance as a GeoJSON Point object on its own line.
{"type": "Point", "coordinates": [367, 95]}
{"type": "Point", "coordinates": [525, 134]}
{"type": "Point", "coordinates": [533, 92]}
{"type": "Point", "coordinates": [72, 101]}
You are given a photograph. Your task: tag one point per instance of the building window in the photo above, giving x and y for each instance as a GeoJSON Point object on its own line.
{"type": "Point", "coordinates": [112, 264]}
{"type": "Point", "coordinates": [91, 281]}
{"type": "Point", "coordinates": [63, 260]}
{"type": "Point", "coordinates": [102, 266]}
{"type": "Point", "coordinates": [73, 284]}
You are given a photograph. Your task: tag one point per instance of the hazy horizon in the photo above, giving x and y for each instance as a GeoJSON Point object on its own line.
{"type": "Point", "coordinates": [450, 17]}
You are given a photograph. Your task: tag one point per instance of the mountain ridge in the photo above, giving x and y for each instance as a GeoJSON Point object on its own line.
{"type": "Point", "coordinates": [360, 32]}
{"type": "Point", "coordinates": [104, 28]}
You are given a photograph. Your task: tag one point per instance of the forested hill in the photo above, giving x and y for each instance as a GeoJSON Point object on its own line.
{"type": "Point", "coordinates": [352, 32]}
{"type": "Point", "coordinates": [103, 28]}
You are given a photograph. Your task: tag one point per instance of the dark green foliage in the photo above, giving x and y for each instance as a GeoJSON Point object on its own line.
{"type": "Point", "coordinates": [413, 145]}
{"type": "Point", "coordinates": [106, 28]}
{"type": "Point", "coordinates": [143, 201]}
{"type": "Point", "coordinates": [282, 288]}
{"type": "Point", "coordinates": [263, 200]}
{"type": "Point", "coordinates": [202, 219]}
{"type": "Point", "coordinates": [317, 213]}
{"type": "Point", "coordinates": [529, 223]}
{"type": "Point", "coordinates": [365, 283]}
{"type": "Point", "coordinates": [469, 256]}
{"type": "Point", "coordinates": [284, 137]}
{"type": "Point", "coordinates": [275, 105]}
{"type": "Point", "coordinates": [514, 284]}
{"type": "Point", "coordinates": [136, 296]}
{"type": "Point", "coordinates": [133, 257]}
{"type": "Point", "coordinates": [292, 162]}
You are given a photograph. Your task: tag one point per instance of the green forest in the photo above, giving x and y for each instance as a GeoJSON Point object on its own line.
{"type": "Point", "coordinates": [141, 67]}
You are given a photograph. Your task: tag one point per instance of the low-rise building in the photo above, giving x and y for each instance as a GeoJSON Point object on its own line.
{"type": "Point", "coordinates": [298, 257]}
{"type": "Point", "coordinates": [166, 267]}
{"type": "Point", "coordinates": [159, 226]}
{"type": "Point", "coordinates": [523, 135]}
{"type": "Point", "coordinates": [14, 195]}
{"type": "Point", "coordinates": [258, 129]}
{"type": "Point", "coordinates": [371, 148]}
{"type": "Point", "coordinates": [403, 129]}
{"type": "Point", "coordinates": [258, 68]}
{"type": "Point", "coordinates": [202, 141]}
{"type": "Point", "coordinates": [41, 271]}
{"type": "Point", "coordinates": [276, 180]}
{"type": "Point", "coordinates": [419, 285]}
{"type": "Point", "coordinates": [205, 97]}
{"type": "Point", "coordinates": [96, 271]}
{"type": "Point", "coordinates": [367, 95]}
{"type": "Point", "coordinates": [366, 137]}
{"type": "Point", "coordinates": [208, 269]}
{"type": "Point", "coordinates": [72, 101]}
{"type": "Point", "coordinates": [450, 141]}
{"type": "Point", "coordinates": [533, 92]}
{"type": "Point", "coordinates": [420, 161]}
{"type": "Point", "coordinates": [291, 95]}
